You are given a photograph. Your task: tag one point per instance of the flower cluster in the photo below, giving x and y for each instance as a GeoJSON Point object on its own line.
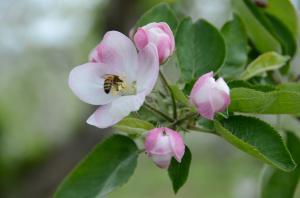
{"type": "Point", "coordinates": [121, 73]}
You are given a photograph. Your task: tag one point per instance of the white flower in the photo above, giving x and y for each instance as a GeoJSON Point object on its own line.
{"type": "Point", "coordinates": [117, 78]}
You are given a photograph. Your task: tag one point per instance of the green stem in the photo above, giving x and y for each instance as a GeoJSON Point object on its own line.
{"type": "Point", "coordinates": [188, 116]}
{"type": "Point", "coordinates": [162, 114]}
{"type": "Point", "coordinates": [194, 128]}
{"type": "Point", "coordinates": [165, 82]}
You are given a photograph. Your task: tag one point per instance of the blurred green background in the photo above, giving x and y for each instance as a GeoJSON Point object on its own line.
{"type": "Point", "coordinates": [43, 133]}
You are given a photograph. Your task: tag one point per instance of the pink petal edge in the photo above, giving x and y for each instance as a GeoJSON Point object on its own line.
{"type": "Point", "coordinates": [199, 83]}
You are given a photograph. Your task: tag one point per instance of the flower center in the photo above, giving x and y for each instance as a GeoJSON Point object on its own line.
{"type": "Point", "coordinates": [117, 86]}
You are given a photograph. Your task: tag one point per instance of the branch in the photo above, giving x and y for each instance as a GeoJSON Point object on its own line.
{"type": "Point", "coordinates": [166, 84]}
{"type": "Point", "coordinates": [158, 112]}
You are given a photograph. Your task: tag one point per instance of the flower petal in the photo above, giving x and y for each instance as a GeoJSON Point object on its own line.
{"type": "Point", "coordinates": [163, 48]}
{"type": "Point", "coordinates": [198, 86]}
{"type": "Point", "coordinates": [217, 101]}
{"type": "Point", "coordinates": [148, 69]}
{"type": "Point", "coordinates": [93, 56]}
{"type": "Point", "coordinates": [162, 161]}
{"type": "Point", "coordinates": [140, 38]}
{"type": "Point", "coordinates": [117, 50]}
{"type": "Point", "coordinates": [221, 85]}
{"type": "Point", "coordinates": [162, 145]}
{"type": "Point", "coordinates": [177, 144]}
{"type": "Point", "coordinates": [108, 115]}
{"type": "Point", "coordinates": [166, 28]}
{"type": "Point", "coordinates": [151, 138]}
{"type": "Point", "coordinates": [226, 101]}
{"type": "Point", "coordinates": [87, 83]}
{"type": "Point", "coordinates": [206, 110]}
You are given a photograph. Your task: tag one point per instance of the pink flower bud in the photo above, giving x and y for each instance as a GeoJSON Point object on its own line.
{"type": "Point", "coordinates": [210, 96]}
{"type": "Point", "coordinates": [160, 35]}
{"type": "Point", "coordinates": [162, 144]}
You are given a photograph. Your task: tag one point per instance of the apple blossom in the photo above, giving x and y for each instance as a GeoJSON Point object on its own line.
{"type": "Point", "coordinates": [159, 34]}
{"type": "Point", "coordinates": [117, 78]}
{"type": "Point", "coordinates": [162, 144]}
{"type": "Point", "coordinates": [210, 96]}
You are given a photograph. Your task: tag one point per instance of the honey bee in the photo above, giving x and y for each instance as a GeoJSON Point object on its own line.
{"type": "Point", "coordinates": [113, 83]}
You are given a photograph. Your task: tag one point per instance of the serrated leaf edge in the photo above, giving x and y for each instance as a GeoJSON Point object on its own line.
{"type": "Point", "coordinates": [254, 150]}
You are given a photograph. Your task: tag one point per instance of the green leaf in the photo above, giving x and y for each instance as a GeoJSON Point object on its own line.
{"type": "Point", "coordinates": [293, 143]}
{"type": "Point", "coordinates": [285, 12]}
{"type": "Point", "coordinates": [278, 184]}
{"type": "Point", "coordinates": [235, 38]}
{"type": "Point", "coordinates": [239, 83]}
{"type": "Point", "coordinates": [133, 125]}
{"type": "Point", "coordinates": [179, 95]}
{"type": "Point", "coordinates": [189, 86]}
{"type": "Point", "coordinates": [265, 62]}
{"type": "Point", "coordinates": [258, 34]}
{"type": "Point", "coordinates": [178, 172]}
{"type": "Point", "coordinates": [159, 13]}
{"type": "Point", "coordinates": [258, 87]}
{"type": "Point", "coordinates": [108, 166]}
{"type": "Point", "coordinates": [273, 102]}
{"type": "Point", "coordinates": [256, 138]}
{"type": "Point", "coordinates": [290, 86]}
{"type": "Point", "coordinates": [295, 87]}
{"type": "Point", "coordinates": [276, 27]}
{"type": "Point", "coordinates": [283, 35]}
{"type": "Point", "coordinates": [200, 48]}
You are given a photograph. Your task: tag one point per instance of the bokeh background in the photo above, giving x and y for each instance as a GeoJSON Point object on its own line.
{"type": "Point", "coordinates": [43, 133]}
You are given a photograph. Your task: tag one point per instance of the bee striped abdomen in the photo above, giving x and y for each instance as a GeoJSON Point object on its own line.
{"type": "Point", "coordinates": [108, 83]}
{"type": "Point", "coordinates": [112, 82]}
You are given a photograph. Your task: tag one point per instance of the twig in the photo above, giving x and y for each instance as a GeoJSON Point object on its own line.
{"type": "Point", "coordinates": [162, 114]}
{"type": "Point", "coordinates": [165, 82]}
{"type": "Point", "coordinates": [183, 118]}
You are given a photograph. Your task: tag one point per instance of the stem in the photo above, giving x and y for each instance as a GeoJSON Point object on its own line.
{"type": "Point", "coordinates": [162, 114]}
{"type": "Point", "coordinates": [223, 115]}
{"type": "Point", "coordinates": [194, 128]}
{"type": "Point", "coordinates": [184, 118]}
{"type": "Point", "coordinates": [165, 82]}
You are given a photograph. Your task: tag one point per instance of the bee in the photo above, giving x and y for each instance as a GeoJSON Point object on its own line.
{"type": "Point", "coordinates": [113, 83]}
